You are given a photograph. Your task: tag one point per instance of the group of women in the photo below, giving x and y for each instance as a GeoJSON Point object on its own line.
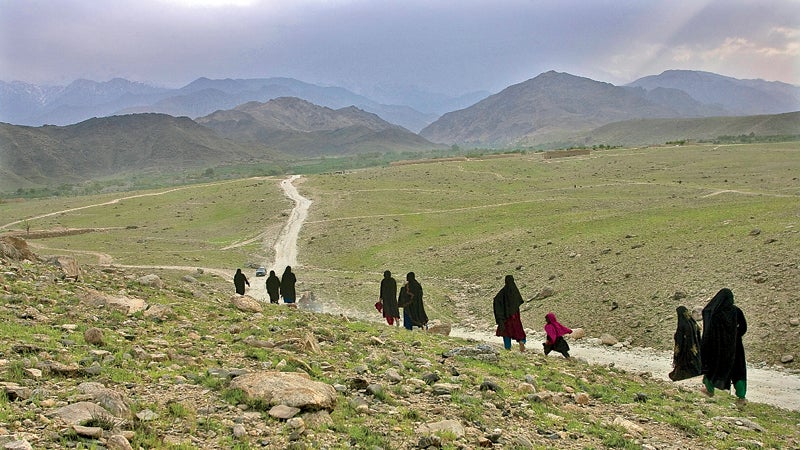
{"type": "Point", "coordinates": [717, 354]}
{"type": "Point", "coordinates": [276, 287]}
{"type": "Point", "coordinates": [409, 298]}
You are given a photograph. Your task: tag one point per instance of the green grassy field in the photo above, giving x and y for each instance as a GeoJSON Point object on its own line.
{"type": "Point", "coordinates": [619, 235]}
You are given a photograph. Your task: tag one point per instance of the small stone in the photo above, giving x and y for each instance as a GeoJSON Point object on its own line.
{"type": "Point", "coordinates": [93, 336]}
{"type": "Point", "coordinates": [582, 398]}
{"type": "Point", "coordinates": [118, 442]}
{"type": "Point", "coordinates": [787, 359]}
{"type": "Point", "coordinates": [283, 412]}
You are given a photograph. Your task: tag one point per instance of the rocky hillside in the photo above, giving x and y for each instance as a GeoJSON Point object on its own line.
{"type": "Point", "coordinates": [119, 359]}
{"type": "Point", "coordinates": [297, 127]}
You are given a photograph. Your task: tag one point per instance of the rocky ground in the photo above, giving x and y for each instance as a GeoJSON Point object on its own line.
{"type": "Point", "coordinates": [123, 358]}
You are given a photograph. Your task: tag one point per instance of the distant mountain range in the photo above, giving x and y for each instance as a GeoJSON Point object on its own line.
{"type": "Point", "coordinates": [27, 104]}
{"type": "Point", "coordinates": [559, 107]}
{"type": "Point", "coordinates": [297, 127]}
{"type": "Point", "coordinates": [280, 130]}
{"type": "Point", "coordinates": [277, 119]}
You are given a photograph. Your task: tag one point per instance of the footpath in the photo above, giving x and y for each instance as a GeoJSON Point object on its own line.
{"type": "Point", "coordinates": [763, 385]}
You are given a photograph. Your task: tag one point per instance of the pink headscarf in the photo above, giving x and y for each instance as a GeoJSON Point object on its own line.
{"type": "Point", "coordinates": [553, 328]}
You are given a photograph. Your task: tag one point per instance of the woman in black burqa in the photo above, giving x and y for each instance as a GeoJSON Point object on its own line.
{"type": "Point", "coordinates": [388, 299]}
{"type": "Point", "coordinates": [273, 284]}
{"type": "Point", "coordinates": [506, 314]}
{"type": "Point", "coordinates": [686, 354]}
{"type": "Point", "coordinates": [410, 299]}
{"type": "Point", "coordinates": [287, 285]}
{"type": "Point", "coordinates": [239, 280]}
{"type": "Point", "coordinates": [722, 351]}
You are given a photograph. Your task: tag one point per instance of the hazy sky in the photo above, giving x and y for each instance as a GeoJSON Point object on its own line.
{"type": "Point", "coordinates": [451, 46]}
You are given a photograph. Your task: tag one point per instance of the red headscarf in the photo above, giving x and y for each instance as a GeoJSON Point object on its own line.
{"type": "Point", "coordinates": [553, 328]}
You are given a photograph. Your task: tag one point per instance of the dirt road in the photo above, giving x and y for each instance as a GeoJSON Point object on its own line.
{"type": "Point", "coordinates": [286, 243]}
{"type": "Point", "coordinates": [764, 386]}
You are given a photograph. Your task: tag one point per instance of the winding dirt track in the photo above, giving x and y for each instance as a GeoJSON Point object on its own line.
{"type": "Point", "coordinates": [764, 385]}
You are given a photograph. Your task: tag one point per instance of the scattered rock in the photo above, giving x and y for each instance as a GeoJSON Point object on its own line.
{"type": "Point", "coordinates": [607, 339]}
{"type": "Point", "coordinates": [787, 359]}
{"type": "Point", "coordinates": [68, 265]}
{"type": "Point", "coordinates": [245, 303]}
{"type": "Point", "coordinates": [283, 412]}
{"type": "Point", "coordinates": [437, 327]}
{"type": "Point", "coordinates": [152, 280]}
{"type": "Point", "coordinates": [123, 304]}
{"type": "Point", "coordinates": [286, 388]}
{"type": "Point", "coordinates": [93, 336]}
{"type": "Point", "coordinates": [546, 292]}
{"type": "Point", "coordinates": [15, 248]}
{"type": "Point", "coordinates": [444, 426]}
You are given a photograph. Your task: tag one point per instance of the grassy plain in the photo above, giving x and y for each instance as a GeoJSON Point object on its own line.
{"type": "Point", "coordinates": [621, 236]}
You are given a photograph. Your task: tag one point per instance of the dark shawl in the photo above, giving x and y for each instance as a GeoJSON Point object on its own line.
{"type": "Point", "coordinates": [389, 296]}
{"type": "Point", "coordinates": [722, 351]}
{"type": "Point", "coordinates": [287, 284]}
{"type": "Point", "coordinates": [239, 280]}
{"type": "Point", "coordinates": [686, 354]}
{"type": "Point", "coordinates": [506, 310]}
{"type": "Point", "coordinates": [273, 286]}
{"type": "Point", "coordinates": [507, 301]}
{"type": "Point", "coordinates": [411, 299]}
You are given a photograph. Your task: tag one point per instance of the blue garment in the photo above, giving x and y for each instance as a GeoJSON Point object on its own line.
{"type": "Point", "coordinates": [507, 342]}
{"type": "Point", "coordinates": [407, 323]}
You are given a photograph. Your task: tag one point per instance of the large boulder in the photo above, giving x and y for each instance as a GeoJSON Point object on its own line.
{"type": "Point", "coordinates": [125, 305]}
{"type": "Point", "coordinates": [15, 248]}
{"type": "Point", "coordinates": [246, 303]}
{"type": "Point", "coordinates": [68, 265]}
{"type": "Point", "coordinates": [293, 389]}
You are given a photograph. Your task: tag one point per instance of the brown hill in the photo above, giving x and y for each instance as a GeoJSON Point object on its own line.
{"type": "Point", "coordinates": [113, 145]}
{"type": "Point", "coordinates": [297, 127]}
{"type": "Point", "coordinates": [554, 106]}
{"type": "Point", "coordinates": [659, 131]}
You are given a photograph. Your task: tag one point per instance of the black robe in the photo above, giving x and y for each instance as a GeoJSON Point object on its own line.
{"type": "Point", "coordinates": [239, 280]}
{"type": "Point", "coordinates": [287, 285]}
{"type": "Point", "coordinates": [273, 287]}
{"type": "Point", "coordinates": [506, 303]}
{"type": "Point", "coordinates": [722, 351]}
{"type": "Point", "coordinates": [686, 360]}
{"type": "Point", "coordinates": [389, 297]}
{"type": "Point", "coordinates": [410, 298]}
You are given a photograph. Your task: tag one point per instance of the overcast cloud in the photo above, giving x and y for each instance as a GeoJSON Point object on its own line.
{"type": "Point", "coordinates": [451, 46]}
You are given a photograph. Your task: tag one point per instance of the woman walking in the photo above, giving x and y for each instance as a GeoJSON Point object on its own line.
{"type": "Point", "coordinates": [686, 354]}
{"type": "Point", "coordinates": [273, 284]}
{"type": "Point", "coordinates": [506, 314]}
{"type": "Point", "coordinates": [555, 336]}
{"type": "Point", "coordinates": [388, 299]}
{"type": "Point", "coordinates": [723, 361]}
{"type": "Point", "coordinates": [239, 281]}
{"type": "Point", "coordinates": [288, 281]}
